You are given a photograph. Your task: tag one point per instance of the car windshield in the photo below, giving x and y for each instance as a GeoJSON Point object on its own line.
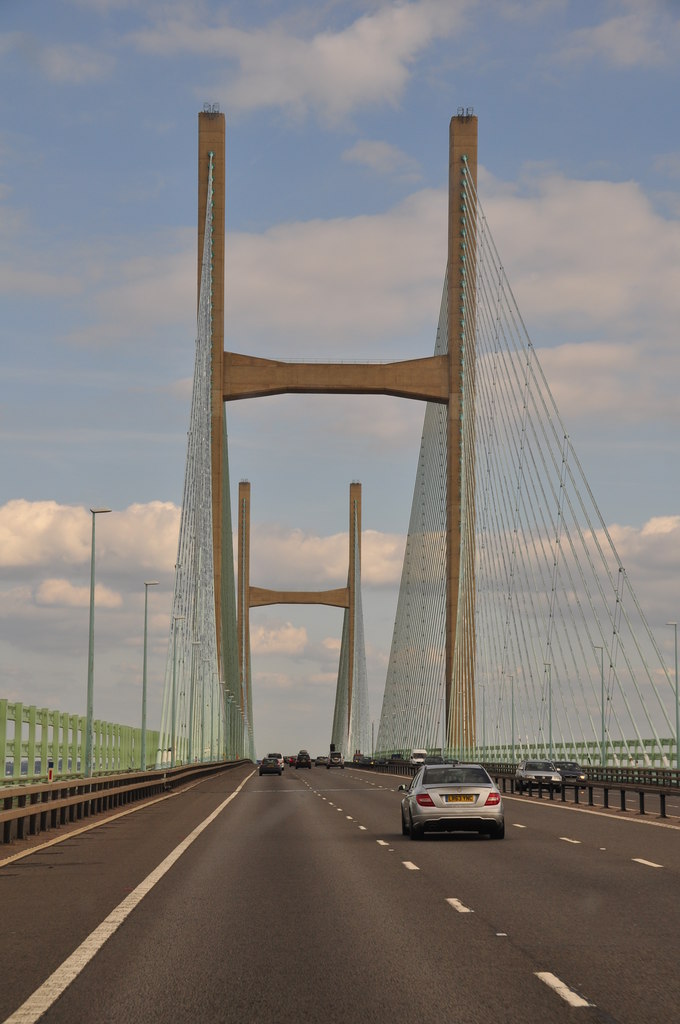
{"type": "Point", "coordinates": [567, 764]}
{"type": "Point", "coordinates": [456, 777]}
{"type": "Point", "coordinates": [539, 766]}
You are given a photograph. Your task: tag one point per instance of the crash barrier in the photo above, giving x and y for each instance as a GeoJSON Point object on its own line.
{"type": "Point", "coordinates": [30, 810]}
{"type": "Point", "coordinates": [656, 783]}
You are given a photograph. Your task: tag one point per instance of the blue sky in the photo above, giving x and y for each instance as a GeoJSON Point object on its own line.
{"type": "Point", "coordinates": [337, 133]}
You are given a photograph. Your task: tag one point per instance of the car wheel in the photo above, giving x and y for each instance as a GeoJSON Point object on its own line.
{"type": "Point", "coordinates": [404, 826]}
{"type": "Point", "coordinates": [413, 831]}
{"type": "Point", "coordinates": [499, 833]}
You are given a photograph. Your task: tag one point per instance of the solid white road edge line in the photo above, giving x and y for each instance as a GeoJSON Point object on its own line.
{"type": "Point", "coordinates": [553, 982]}
{"type": "Point", "coordinates": [41, 1000]}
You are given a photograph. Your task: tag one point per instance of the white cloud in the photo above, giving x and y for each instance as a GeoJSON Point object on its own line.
{"type": "Point", "coordinates": [365, 64]}
{"type": "Point", "coordinates": [64, 593]}
{"type": "Point", "coordinates": [385, 159]}
{"type": "Point", "coordinates": [647, 36]}
{"type": "Point", "coordinates": [286, 639]}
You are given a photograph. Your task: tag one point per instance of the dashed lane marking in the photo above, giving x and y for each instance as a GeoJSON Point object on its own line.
{"type": "Point", "coordinates": [566, 993]}
{"type": "Point", "coordinates": [460, 907]}
{"type": "Point", "coordinates": [410, 866]}
{"type": "Point", "coordinates": [566, 839]}
{"type": "Point", "coordinates": [647, 863]}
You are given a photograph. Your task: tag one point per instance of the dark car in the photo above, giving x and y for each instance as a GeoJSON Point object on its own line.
{"type": "Point", "coordinates": [572, 773]}
{"type": "Point", "coordinates": [303, 760]}
{"type": "Point", "coordinates": [270, 766]}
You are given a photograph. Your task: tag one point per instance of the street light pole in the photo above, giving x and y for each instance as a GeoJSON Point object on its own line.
{"type": "Point", "coordinates": [147, 584]}
{"type": "Point", "coordinates": [603, 752]}
{"type": "Point", "coordinates": [512, 705]}
{"type": "Point", "coordinates": [89, 718]}
{"type": "Point", "coordinates": [547, 665]}
{"type": "Point", "coordinates": [677, 698]}
{"type": "Point", "coordinates": [175, 620]}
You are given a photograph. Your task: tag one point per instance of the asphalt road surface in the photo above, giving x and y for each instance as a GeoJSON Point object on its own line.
{"type": "Point", "coordinates": [281, 900]}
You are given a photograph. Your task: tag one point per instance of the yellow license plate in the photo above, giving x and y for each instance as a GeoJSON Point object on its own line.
{"type": "Point", "coordinates": [459, 798]}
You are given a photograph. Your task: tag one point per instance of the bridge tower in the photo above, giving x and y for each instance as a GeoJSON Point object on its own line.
{"type": "Point", "coordinates": [350, 723]}
{"type": "Point", "coordinates": [446, 378]}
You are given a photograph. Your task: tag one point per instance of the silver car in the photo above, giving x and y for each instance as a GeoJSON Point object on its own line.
{"type": "Point", "coordinates": [452, 798]}
{"type": "Point", "coordinates": [537, 772]}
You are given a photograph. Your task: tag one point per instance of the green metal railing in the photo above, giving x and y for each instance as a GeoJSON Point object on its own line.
{"type": "Point", "coordinates": [34, 740]}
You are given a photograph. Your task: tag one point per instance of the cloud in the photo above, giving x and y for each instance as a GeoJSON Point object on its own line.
{"type": "Point", "coordinates": [384, 159]}
{"type": "Point", "coordinates": [44, 533]}
{"type": "Point", "coordinates": [63, 593]}
{"type": "Point", "coordinates": [647, 36]}
{"type": "Point", "coordinates": [333, 73]}
{"type": "Point", "coordinates": [286, 639]}
{"type": "Point", "coordinates": [294, 560]}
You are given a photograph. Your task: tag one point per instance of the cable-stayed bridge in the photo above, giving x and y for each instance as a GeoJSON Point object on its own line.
{"type": "Point", "coordinates": [517, 629]}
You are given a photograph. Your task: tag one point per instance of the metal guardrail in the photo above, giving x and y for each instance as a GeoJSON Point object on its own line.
{"type": "Point", "coordinates": [30, 810]}
{"type": "Point", "coordinates": [657, 783]}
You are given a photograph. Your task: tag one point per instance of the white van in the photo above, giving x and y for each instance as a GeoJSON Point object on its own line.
{"type": "Point", "coordinates": [418, 756]}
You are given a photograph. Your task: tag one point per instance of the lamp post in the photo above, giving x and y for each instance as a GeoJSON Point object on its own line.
{"type": "Point", "coordinates": [175, 620]}
{"type": "Point", "coordinates": [512, 712]}
{"type": "Point", "coordinates": [194, 652]}
{"type": "Point", "coordinates": [147, 584]}
{"type": "Point", "coordinates": [603, 749]}
{"type": "Point", "coordinates": [546, 664]}
{"type": "Point", "coordinates": [677, 698]}
{"type": "Point", "coordinates": [89, 721]}
{"type": "Point", "coordinates": [483, 689]}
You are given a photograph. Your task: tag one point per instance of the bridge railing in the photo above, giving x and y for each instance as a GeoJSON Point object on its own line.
{"type": "Point", "coordinates": [28, 810]}
{"type": "Point", "coordinates": [32, 739]}
{"type": "Point", "coordinates": [643, 782]}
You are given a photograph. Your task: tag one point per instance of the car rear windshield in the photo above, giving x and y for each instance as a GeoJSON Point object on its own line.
{"type": "Point", "coordinates": [456, 777]}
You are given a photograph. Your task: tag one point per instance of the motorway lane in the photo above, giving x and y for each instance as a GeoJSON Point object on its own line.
{"type": "Point", "coordinates": [285, 907]}
{"type": "Point", "coordinates": [52, 899]}
{"type": "Point", "coordinates": [290, 904]}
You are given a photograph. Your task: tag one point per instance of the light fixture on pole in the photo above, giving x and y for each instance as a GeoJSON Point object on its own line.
{"type": "Point", "coordinates": [89, 718]}
{"type": "Point", "coordinates": [677, 698]}
{"type": "Point", "coordinates": [142, 759]}
{"type": "Point", "coordinates": [175, 620]}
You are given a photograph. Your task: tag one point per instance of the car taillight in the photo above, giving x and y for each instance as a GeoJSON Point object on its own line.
{"type": "Point", "coordinates": [425, 800]}
{"type": "Point", "coordinates": [493, 798]}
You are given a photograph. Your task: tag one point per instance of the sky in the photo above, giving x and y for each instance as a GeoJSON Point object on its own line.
{"type": "Point", "coordinates": [337, 116]}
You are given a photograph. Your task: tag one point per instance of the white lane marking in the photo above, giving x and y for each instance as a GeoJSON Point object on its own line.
{"type": "Point", "coordinates": [43, 998]}
{"type": "Point", "coordinates": [382, 842]}
{"type": "Point", "coordinates": [515, 825]}
{"type": "Point", "coordinates": [349, 817]}
{"type": "Point", "coordinates": [501, 935]}
{"type": "Point", "coordinates": [566, 839]}
{"type": "Point", "coordinates": [409, 865]}
{"type": "Point", "coordinates": [362, 827]}
{"type": "Point", "coordinates": [562, 990]}
{"type": "Point", "coordinates": [647, 863]}
{"type": "Point", "coordinates": [460, 907]}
